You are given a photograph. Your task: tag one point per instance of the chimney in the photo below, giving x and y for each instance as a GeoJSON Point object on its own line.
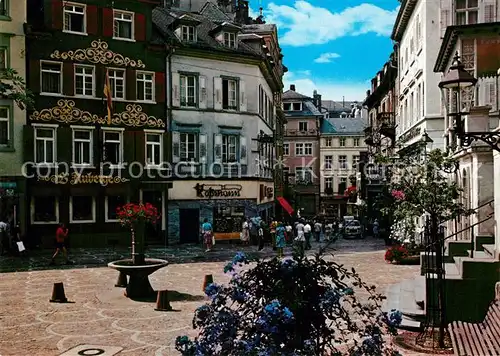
{"type": "Point", "coordinates": [292, 87]}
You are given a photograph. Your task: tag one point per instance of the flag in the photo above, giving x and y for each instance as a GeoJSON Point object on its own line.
{"type": "Point", "coordinates": [107, 94]}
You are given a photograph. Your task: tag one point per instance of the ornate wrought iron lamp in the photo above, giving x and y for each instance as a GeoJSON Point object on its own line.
{"type": "Point", "coordinates": [456, 80]}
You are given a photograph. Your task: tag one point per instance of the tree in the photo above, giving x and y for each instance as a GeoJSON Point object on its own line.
{"type": "Point", "coordinates": [13, 87]}
{"type": "Point", "coordinates": [424, 189]}
{"type": "Point", "coordinates": [294, 307]}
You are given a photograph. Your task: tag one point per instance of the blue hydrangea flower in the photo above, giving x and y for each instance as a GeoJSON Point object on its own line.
{"type": "Point", "coordinates": [212, 290]}
{"type": "Point", "coordinates": [229, 267]}
{"type": "Point", "coordinates": [394, 317]}
{"type": "Point", "coordinates": [240, 257]}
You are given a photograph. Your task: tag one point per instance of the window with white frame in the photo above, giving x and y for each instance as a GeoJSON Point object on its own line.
{"type": "Point", "coordinates": [286, 149]}
{"type": "Point", "coordinates": [82, 147]}
{"type": "Point", "coordinates": [123, 25]}
{"type": "Point", "coordinates": [113, 150]}
{"type": "Point", "coordinates": [230, 145]}
{"type": "Point", "coordinates": [329, 183]}
{"type": "Point", "coordinates": [342, 141]}
{"type": "Point", "coordinates": [342, 162]}
{"type": "Point", "coordinates": [84, 80]}
{"type": "Point", "coordinates": [308, 149]}
{"type": "Point", "coordinates": [82, 209]}
{"type": "Point", "coordinates": [303, 126]}
{"type": "Point", "coordinates": [113, 202]}
{"type": "Point", "coordinates": [230, 39]}
{"type": "Point", "coordinates": [303, 174]}
{"type": "Point", "coordinates": [117, 83]}
{"type": "Point", "coordinates": [355, 161]}
{"type": "Point", "coordinates": [466, 12]}
{"type": "Point", "coordinates": [188, 90]}
{"type": "Point", "coordinates": [299, 149]}
{"type": "Point", "coordinates": [188, 33]}
{"type": "Point", "coordinates": [355, 142]}
{"type": "Point", "coordinates": [328, 162]}
{"type": "Point", "coordinates": [45, 145]}
{"type": "Point", "coordinates": [51, 77]}
{"type": "Point", "coordinates": [44, 210]}
{"type": "Point", "coordinates": [230, 94]}
{"type": "Point", "coordinates": [188, 146]}
{"type": "Point", "coordinates": [145, 86]}
{"type": "Point", "coordinates": [4, 125]}
{"type": "Point", "coordinates": [154, 149]}
{"type": "Point", "coordinates": [328, 142]}
{"type": "Point", "coordinates": [74, 18]}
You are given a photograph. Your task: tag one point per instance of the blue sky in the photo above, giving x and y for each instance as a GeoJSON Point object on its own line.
{"type": "Point", "coordinates": [333, 46]}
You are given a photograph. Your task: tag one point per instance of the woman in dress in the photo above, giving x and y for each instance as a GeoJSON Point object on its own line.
{"type": "Point", "coordinates": [245, 232]}
{"type": "Point", "coordinates": [280, 238]}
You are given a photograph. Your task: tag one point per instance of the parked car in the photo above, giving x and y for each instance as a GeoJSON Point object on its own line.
{"type": "Point", "coordinates": [352, 229]}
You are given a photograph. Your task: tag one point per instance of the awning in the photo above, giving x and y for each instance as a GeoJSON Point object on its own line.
{"type": "Point", "coordinates": [285, 205]}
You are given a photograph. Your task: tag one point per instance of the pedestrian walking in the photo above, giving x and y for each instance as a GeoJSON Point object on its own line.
{"type": "Point", "coordinates": [317, 230]}
{"type": "Point", "coordinates": [307, 235]}
{"type": "Point", "coordinates": [289, 233]}
{"type": "Point", "coordinates": [272, 227]}
{"type": "Point", "coordinates": [328, 230]}
{"type": "Point", "coordinates": [280, 239]}
{"type": "Point", "coordinates": [300, 240]}
{"type": "Point", "coordinates": [375, 228]}
{"type": "Point", "coordinates": [261, 236]}
{"type": "Point", "coordinates": [245, 232]}
{"type": "Point", "coordinates": [61, 236]}
{"type": "Point", "coordinates": [207, 235]}
{"type": "Point", "coordinates": [4, 237]}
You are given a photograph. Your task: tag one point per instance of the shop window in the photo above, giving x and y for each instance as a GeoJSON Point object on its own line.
{"type": "Point", "coordinates": [113, 147]}
{"type": "Point", "coordinates": [113, 202]}
{"type": "Point", "coordinates": [228, 219]}
{"type": "Point", "coordinates": [74, 18]}
{"type": "Point", "coordinates": [145, 86]}
{"type": "Point", "coordinates": [154, 149]}
{"type": "Point", "coordinates": [82, 209]}
{"type": "Point", "coordinates": [123, 25]}
{"type": "Point", "coordinates": [44, 210]}
{"type": "Point", "coordinates": [45, 145]}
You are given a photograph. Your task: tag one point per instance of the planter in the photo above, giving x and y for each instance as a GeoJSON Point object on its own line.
{"type": "Point", "coordinates": [408, 261]}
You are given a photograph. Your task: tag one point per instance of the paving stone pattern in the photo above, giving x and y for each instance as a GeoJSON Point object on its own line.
{"type": "Point", "coordinates": [100, 315]}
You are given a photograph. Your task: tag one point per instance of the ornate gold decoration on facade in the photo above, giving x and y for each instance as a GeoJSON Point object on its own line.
{"type": "Point", "coordinates": [89, 178]}
{"type": "Point", "coordinates": [135, 117]}
{"type": "Point", "coordinates": [67, 113]}
{"type": "Point", "coordinates": [98, 53]}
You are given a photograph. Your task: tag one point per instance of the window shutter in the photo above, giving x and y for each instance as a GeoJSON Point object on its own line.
{"type": "Point", "coordinates": [92, 20]}
{"type": "Point", "coordinates": [68, 79]}
{"type": "Point", "coordinates": [217, 148]}
{"type": "Point", "coordinates": [107, 22]}
{"type": "Point", "coordinates": [129, 147]}
{"type": "Point", "coordinates": [202, 92]}
{"type": "Point", "coordinates": [218, 93]}
{"type": "Point", "coordinates": [28, 144]}
{"type": "Point", "coordinates": [176, 146]}
{"type": "Point", "coordinates": [140, 144]}
{"type": "Point", "coordinates": [160, 87]}
{"type": "Point", "coordinates": [130, 82]}
{"type": "Point", "coordinates": [203, 148]}
{"type": "Point", "coordinates": [242, 96]}
{"type": "Point", "coordinates": [140, 27]}
{"type": "Point", "coordinates": [64, 142]}
{"type": "Point", "coordinates": [490, 11]}
{"type": "Point", "coordinates": [243, 150]}
{"type": "Point", "coordinates": [57, 14]}
{"type": "Point", "coordinates": [176, 97]}
{"type": "Point", "coordinates": [34, 76]}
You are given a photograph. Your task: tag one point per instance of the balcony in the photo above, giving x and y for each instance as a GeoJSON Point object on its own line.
{"type": "Point", "coordinates": [301, 133]}
{"type": "Point", "coordinates": [387, 124]}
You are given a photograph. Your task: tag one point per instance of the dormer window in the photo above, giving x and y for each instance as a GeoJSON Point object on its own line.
{"type": "Point", "coordinates": [292, 106]}
{"type": "Point", "coordinates": [188, 33]}
{"type": "Point", "coordinates": [230, 39]}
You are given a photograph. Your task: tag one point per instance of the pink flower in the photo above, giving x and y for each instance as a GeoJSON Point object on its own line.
{"type": "Point", "coordinates": [398, 194]}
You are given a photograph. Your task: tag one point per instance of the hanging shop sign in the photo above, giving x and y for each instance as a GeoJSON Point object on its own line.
{"type": "Point", "coordinates": [76, 178]}
{"type": "Point", "coordinates": [209, 191]}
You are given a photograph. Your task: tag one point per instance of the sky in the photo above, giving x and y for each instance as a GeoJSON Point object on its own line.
{"type": "Point", "coordinates": [333, 46]}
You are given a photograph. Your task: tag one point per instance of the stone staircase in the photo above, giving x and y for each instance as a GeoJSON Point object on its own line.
{"type": "Point", "coordinates": [470, 277]}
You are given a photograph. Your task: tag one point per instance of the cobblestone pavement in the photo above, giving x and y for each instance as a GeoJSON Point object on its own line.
{"type": "Point", "coordinates": [100, 315]}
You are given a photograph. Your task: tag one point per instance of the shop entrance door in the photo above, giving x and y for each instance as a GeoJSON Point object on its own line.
{"type": "Point", "coordinates": [189, 226]}
{"type": "Point", "coordinates": [153, 231]}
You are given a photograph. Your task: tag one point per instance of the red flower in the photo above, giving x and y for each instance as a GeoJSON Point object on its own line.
{"type": "Point", "coordinates": [131, 212]}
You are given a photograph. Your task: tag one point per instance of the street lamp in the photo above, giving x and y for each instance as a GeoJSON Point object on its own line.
{"type": "Point", "coordinates": [426, 144]}
{"type": "Point", "coordinates": [455, 81]}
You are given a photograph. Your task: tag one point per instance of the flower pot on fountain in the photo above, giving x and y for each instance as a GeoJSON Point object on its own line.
{"type": "Point", "coordinates": [138, 268]}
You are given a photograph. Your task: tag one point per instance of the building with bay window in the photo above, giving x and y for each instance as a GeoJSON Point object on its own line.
{"type": "Point", "coordinates": [224, 76]}
{"type": "Point", "coordinates": [12, 118]}
{"type": "Point", "coordinates": [81, 163]}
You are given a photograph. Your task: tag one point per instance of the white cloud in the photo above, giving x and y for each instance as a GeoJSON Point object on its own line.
{"type": "Point", "coordinates": [350, 90]}
{"type": "Point", "coordinates": [326, 57]}
{"type": "Point", "coordinates": [304, 24]}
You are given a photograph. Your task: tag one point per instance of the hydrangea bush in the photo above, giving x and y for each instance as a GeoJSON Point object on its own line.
{"type": "Point", "coordinates": [292, 307]}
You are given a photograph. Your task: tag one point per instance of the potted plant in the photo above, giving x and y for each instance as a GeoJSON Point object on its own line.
{"type": "Point", "coordinates": [136, 216]}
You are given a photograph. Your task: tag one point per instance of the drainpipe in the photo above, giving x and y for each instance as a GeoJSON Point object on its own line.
{"type": "Point", "coordinates": [170, 51]}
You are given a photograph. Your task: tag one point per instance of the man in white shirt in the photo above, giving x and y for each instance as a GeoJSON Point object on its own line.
{"type": "Point", "coordinates": [307, 235]}
{"type": "Point", "coordinates": [317, 230]}
{"type": "Point", "coordinates": [300, 239]}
